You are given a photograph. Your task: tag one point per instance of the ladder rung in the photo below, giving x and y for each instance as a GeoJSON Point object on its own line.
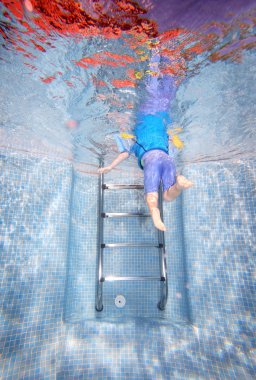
{"type": "Point", "coordinates": [132, 278]}
{"type": "Point", "coordinates": [119, 187]}
{"type": "Point", "coordinates": [117, 245]}
{"type": "Point", "coordinates": [123, 214]}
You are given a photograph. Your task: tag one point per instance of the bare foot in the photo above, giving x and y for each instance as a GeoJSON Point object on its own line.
{"type": "Point", "coordinates": [155, 213]}
{"type": "Point", "coordinates": [183, 183]}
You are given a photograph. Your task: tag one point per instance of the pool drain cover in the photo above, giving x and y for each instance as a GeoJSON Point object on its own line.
{"type": "Point", "coordinates": [120, 301]}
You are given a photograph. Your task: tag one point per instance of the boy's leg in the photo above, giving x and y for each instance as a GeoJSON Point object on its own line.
{"type": "Point", "coordinates": [182, 183]}
{"type": "Point", "coordinates": [152, 202]}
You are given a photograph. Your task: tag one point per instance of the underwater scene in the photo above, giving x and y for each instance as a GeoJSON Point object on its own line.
{"type": "Point", "coordinates": [82, 296]}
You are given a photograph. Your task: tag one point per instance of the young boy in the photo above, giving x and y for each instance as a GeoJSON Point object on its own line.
{"type": "Point", "coordinates": [151, 143]}
{"type": "Point", "coordinates": [157, 165]}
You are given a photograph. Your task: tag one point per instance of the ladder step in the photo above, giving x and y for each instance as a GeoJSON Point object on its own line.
{"type": "Point", "coordinates": [132, 278]}
{"type": "Point", "coordinates": [123, 214]}
{"type": "Point", "coordinates": [113, 186]}
{"type": "Point", "coordinates": [117, 245]}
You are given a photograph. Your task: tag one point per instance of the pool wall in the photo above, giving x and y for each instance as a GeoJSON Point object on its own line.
{"type": "Point", "coordinates": [48, 246]}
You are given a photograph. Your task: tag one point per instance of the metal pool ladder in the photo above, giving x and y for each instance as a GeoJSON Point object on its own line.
{"type": "Point", "coordinates": [101, 246]}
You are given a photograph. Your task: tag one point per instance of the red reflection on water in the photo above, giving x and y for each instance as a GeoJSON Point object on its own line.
{"type": "Point", "coordinates": [110, 19]}
{"type": "Point", "coordinates": [70, 16]}
{"type": "Point", "coordinates": [120, 83]}
{"type": "Point", "coordinates": [99, 59]}
{"type": "Point", "coordinates": [16, 8]}
{"type": "Point", "coordinates": [48, 79]}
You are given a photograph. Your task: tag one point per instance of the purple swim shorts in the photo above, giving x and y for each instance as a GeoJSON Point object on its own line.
{"type": "Point", "coordinates": [158, 166]}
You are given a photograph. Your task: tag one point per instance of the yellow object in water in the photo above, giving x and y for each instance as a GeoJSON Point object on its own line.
{"type": "Point", "coordinates": [144, 57]}
{"type": "Point", "coordinates": [138, 74]}
{"type": "Point", "coordinates": [177, 142]}
{"type": "Point", "coordinates": [127, 136]}
{"type": "Point", "coordinates": [153, 73]}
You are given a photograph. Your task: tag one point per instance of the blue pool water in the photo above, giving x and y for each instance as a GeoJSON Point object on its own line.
{"type": "Point", "coordinates": [48, 226]}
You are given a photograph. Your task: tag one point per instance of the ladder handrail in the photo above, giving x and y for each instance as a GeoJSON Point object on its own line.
{"type": "Point", "coordinates": [162, 257]}
{"type": "Point", "coordinates": [99, 285]}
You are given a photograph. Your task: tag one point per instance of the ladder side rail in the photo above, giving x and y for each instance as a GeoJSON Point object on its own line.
{"type": "Point", "coordinates": [162, 258]}
{"type": "Point", "coordinates": [99, 274]}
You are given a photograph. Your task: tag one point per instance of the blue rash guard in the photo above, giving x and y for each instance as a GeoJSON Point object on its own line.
{"type": "Point", "coordinates": [151, 134]}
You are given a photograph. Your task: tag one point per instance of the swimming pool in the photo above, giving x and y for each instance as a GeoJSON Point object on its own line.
{"type": "Point", "coordinates": [57, 120]}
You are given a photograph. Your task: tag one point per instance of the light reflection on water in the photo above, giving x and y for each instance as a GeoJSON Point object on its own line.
{"type": "Point", "coordinates": [67, 93]}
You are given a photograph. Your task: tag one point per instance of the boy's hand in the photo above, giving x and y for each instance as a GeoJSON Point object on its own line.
{"type": "Point", "coordinates": [104, 170]}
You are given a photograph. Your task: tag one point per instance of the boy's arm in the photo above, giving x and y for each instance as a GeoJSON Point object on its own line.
{"type": "Point", "coordinates": [121, 157]}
